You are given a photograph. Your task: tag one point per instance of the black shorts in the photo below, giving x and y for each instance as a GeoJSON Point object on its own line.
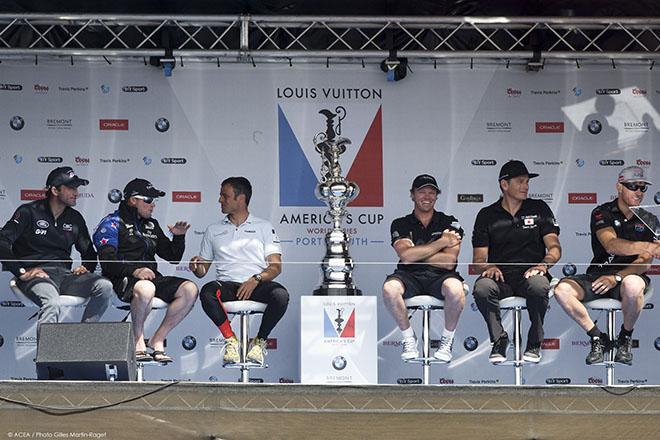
{"type": "Point", "coordinates": [166, 287]}
{"type": "Point", "coordinates": [423, 283]}
{"type": "Point", "coordinates": [586, 279]}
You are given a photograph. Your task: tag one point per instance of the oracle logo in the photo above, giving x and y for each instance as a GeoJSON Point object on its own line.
{"type": "Point", "coordinates": [653, 270]}
{"type": "Point", "coordinates": [33, 194]}
{"type": "Point", "coordinates": [582, 197]}
{"type": "Point", "coordinates": [550, 344]}
{"type": "Point", "coordinates": [187, 196]}
{"type": "Point", "coordinates": [113, 124]}
{"type": "Point", "coordinates": [549, 127]}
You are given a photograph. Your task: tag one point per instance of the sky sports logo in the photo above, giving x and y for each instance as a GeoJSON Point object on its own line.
{"type": "Point", "coordinates": [298, 178]}
{"type": "Point", "coordinates": [582, 198]}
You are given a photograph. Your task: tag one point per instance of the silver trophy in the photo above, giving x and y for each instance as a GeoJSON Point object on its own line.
{"type": "Point", "coordinates": [333, 189]}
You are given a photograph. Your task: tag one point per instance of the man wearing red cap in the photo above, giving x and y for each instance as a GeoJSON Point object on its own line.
{"type": "Point", "coordinates": [515, 241]}
{"type": "Point", "coordinates": [427, 243]}
{"type": "Point", "coordinates": [35, 245]}
{"type": "Point", "coordinates": [128, 241]}
{"type": "Point", "coordinates": [623, 251]}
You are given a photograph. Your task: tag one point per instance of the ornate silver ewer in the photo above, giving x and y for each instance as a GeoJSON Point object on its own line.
{"type": "Point", "coordinates": [333, 189]}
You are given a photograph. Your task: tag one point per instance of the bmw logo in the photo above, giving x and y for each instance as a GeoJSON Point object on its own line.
{"type": "Point", "coordinates": [470, 343]}
{"type": "Point", "coordinates": [656, 199]}
{"type": "Point", "coordinates": [105, 88]}
{"type": "Point", "coordinates": [189, 343]}
{"type": "Point", "coordinates": [16, 123]}
{"type": "Point", "coordinates": [2, 341]}
{"type": "Point", "coordinates": [147, 160]}
{"type": "Point", "coordinates": [569, 270]}
{"type": "Point", "coordinates": [162, 125]}
{"type": "Point", "coordinates": [18, 158]}
{"type": "Point", "coordinates": [595, 126]}
{"type": "Point", "coordinates": [114, 195]}
{"type": "Point", "coordinates": [579, 162]}
{"type": "Point", "coordinates": [656, 343]}
{"type": "Point", "coordinates": [213, 379]}
{"type": "Point", "coordinates": [339, 363]}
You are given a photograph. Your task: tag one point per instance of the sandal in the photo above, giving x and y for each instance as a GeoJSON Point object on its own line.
{"type": "Point", "coordinates": [142, 356]}
{"type": "Point", "coordinates": [161, 356]}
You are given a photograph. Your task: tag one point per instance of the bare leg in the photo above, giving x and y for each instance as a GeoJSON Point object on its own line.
{"type": "Point", "coordinates": [452, 290]}
{"type": "Point", "coordinates": [632, 300]}
{"type": "Point", "coordinates": [568, 294]}
{"type": "Point", "coordinates": [143, 294]}
{"type": "Point", "coordinates": [393, 297]}
{"type": "Point", "coordinates": [184, 298]}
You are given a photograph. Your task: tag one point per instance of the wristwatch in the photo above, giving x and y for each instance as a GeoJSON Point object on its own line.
{"type": "Point", "coordinates": [22, 270]}
{"type": "Point", "coordinates": [618, 278]}
{"type": "Point", "coordinates": [258, 277]}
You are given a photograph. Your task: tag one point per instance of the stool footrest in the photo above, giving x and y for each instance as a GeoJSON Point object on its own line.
{"type": "Point", "coordinates": [245, 365]}
{"type": "Point", "coordinates": [145, 363]}
{"type": "Point", "coordinates": [515, 363]}
{"type": "Point", "coordinates": [422, 360]}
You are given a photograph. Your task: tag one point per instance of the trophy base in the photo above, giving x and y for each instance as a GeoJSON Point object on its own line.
{"type": "Point", "coordinates": [337, 291]}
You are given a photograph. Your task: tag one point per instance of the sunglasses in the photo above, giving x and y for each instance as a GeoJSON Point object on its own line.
{"type": "Point", "coordinates": [635, 186]}
{"type": "Point", "coordinates": [146, 199]}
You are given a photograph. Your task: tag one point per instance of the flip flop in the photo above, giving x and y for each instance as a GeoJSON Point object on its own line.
{"type": "Point", "coordinates": [143, 356]}
{"type": "Point", "coordinates": [161, 356]}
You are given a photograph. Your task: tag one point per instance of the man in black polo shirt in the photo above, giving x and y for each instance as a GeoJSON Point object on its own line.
{"type": "Point", "coordinates": [623, 250]}
{"type": "Point", "coordinates": [515, 242]}
{"type": "Point", "coordinates": [427, 243]}
{"type": "Point", "coordinates": [35, 245]}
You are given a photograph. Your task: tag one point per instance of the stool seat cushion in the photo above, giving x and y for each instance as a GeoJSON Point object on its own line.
{"type": "Point", "coordinates": [244, 306]}
{"type": "Point", "coordinates": [65, 300]}
{"type": "Point", "coordinates": [513, 302]}
{"type": "Point", "coordinates": [604, 304]}
{"type": "Point", "coordinates": [423, 301]}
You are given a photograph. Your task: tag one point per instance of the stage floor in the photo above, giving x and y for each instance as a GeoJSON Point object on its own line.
{"type": "Point", "coordinates": [292, 411]}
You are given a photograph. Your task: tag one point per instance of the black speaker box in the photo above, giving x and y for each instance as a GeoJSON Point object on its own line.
{"type": "Point", "coordinates": [86, 351]}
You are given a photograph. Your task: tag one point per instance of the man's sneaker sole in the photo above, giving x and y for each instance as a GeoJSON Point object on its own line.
{"type": "Point", "coordinates": [410, 356]}
{"type": "Point", "coordinates": [442, 357]}
{"type": "Point", "coordinates": [532, 359]}
{"type": "Point", "coordinates": [496, 360]}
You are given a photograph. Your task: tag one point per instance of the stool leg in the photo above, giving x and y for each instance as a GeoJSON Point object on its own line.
{"type": "Point", "coordinates": [426, 344]}
{"type": "Point", "coordinates": [611, 329]}
{"type": "Point", "coordinates": [517, 337]}
{"type": "Point", "coordinates": [245, 370]}
{"type": "Point", "coordinates": [140, 372]}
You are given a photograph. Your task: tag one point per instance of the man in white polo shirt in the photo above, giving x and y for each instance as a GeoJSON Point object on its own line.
{"type": "Point", "coordinates": [248, 256]}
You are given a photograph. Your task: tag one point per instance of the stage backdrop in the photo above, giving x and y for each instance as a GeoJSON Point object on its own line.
{"type": "Point", "coordinates": [575, 127]}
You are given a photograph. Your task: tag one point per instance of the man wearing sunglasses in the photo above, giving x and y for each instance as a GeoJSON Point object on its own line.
{"type": "Point", "coordinates": [623, 251]}
{"type": "Point", "coordinates": [127, 241]}
{"type": "Point", "coordinates": [35, 245]}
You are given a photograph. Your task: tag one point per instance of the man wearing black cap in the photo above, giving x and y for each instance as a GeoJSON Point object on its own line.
{"type": "Point", "coordinates": [515, 241]}
{"type": "Point", "coordinates": [427, 243]}
{"type": "Point", "coordinates": [127, 241]}
{"type": "Point", "coordinates": [35, 245]}
{"type": "Point", "coordinates": [623, 251]}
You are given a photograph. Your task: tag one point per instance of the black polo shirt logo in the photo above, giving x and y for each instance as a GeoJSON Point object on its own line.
{"type": "Point", "coordinates": [42, 224]}
{"type": "Point", "coordinates": [529, 221]}
{"type": "Point", "coordinates": [67, 227]}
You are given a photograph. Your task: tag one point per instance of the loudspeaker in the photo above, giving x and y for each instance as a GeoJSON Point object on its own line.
{"type": "Point", "coordinates": [86, 351]}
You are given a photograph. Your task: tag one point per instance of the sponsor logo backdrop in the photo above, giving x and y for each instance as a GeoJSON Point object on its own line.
{"type": "Point", "coordinates": [186, 133]}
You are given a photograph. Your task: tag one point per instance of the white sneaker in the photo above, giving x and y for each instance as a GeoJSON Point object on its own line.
{"type": "Point", "coordinates": [444, 349]}
{"type": "Point", "coordinates": [410, 350]}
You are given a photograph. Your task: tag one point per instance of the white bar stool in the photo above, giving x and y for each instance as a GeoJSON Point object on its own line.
{"type": "Point", "coordinates": [611, 306]}
{"type": "Point", "coordinates": [64, 300]}
{"type": "Point", "coordinates": [244, 309]}
{"type": "Point", "coordinates": [427, 303]}
{"type": "Point", "coordinates": [517, 304]}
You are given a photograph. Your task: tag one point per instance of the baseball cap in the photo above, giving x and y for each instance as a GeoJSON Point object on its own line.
{"type": "Point", "coordinates": [633, 174]}
{"type": "Point", "coordinates": [514, 168]}
{"type": "Point", "coordinates": [141, 187]}
{"type": "Point", "coordinates": [425, 180]}
{"type": "Point", "coordinates": [64, 176]}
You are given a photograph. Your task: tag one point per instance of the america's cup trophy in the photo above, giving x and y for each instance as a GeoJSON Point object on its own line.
{"type": "Point", "coordinates": [333, 189]}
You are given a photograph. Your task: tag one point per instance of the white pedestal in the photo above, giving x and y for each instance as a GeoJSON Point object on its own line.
{"type": "Point", "coordinates": [338, 340]}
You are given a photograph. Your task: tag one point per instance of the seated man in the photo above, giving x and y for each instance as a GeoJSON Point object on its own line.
{"type": "Point", "coordinates": [427, 243]}
{"type": "Point", "coordinates": [128, 240]}
{"type": "Point", "coordinates": [515, 241]}
{"type": "Point", "coordinates": [623, 250]}
{"type": "Point", "coordinates": [35, 245]}
{"type": "Point", "coordinates": [248, 257]}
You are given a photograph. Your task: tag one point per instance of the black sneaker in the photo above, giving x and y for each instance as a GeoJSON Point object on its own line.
{"type": "Point", "coordinates": [532, 354]}
{"type": "Point", "coordinates": [624, 350]}
{"type": "Point", "coordinates": [498, 353]}
{"type": "Point", "coordinates": [598, 347]}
